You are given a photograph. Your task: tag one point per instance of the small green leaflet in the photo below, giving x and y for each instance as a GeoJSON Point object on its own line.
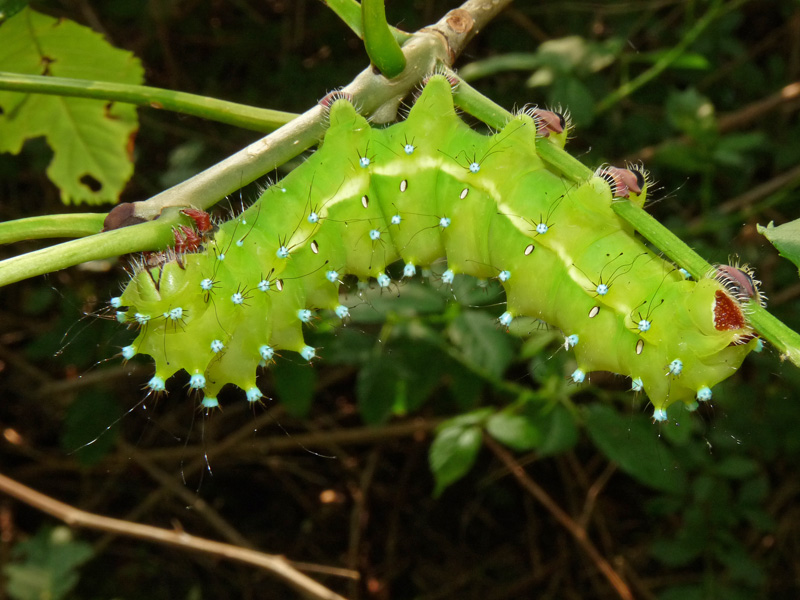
{"type": "Point", "coordinates": [91, 139]}
{"type": "Point", "coordinates": [786, 238]}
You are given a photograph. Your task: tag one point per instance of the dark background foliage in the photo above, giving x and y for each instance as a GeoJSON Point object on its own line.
{"type": "Point", "coordinates": [335, 471]}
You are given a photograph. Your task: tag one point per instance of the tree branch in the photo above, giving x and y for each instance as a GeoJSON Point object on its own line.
{"type": "Point", "coordinates": [72, 516]}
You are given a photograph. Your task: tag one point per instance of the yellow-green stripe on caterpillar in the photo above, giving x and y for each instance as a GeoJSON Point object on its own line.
{"type": "Point", "coordinates": [426, 189]}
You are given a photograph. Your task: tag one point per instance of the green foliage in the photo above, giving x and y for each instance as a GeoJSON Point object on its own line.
{"type": "Point", "coordinates": [45, 566]}
{"type": "Point", "coordinates": [786, 238]}
{"type": "Point", "coordinates": [8, 8]}
{"type": "Point", "coordinates": [91, 426]}
{"type": "Point", "coordinates": [628, 440]}
{"type": "Point", "coordinates": [294, 383]}
{"type": "Point", "coordinates": [455, 448]}
{"type": "Point", "coordinates": [91, 139]}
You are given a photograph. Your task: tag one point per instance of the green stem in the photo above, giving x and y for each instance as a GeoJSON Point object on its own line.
{"type": "Point", "coordinates": [231, 113]}
{"type": "Point", "coordinates": [666, 241]}
{"type": "Point", "coordinates": [479, 106]}
{"type": "Point", "coordinates": [349, 11]}
{"type": "Point", "coordinates": [382, 49]}
{"type": "Point", "coordinates": [770, 328]}
{"type": "Point", "coordinates": [152, 235]}
{"type": "Point", "coordinates": [786, 340]}
{"type": "Point", "coordinates": [51, 226]}
{"type": "Point", "coordinates": [562, 161]}
{"type": "Point", "coordinates": [662, 63]}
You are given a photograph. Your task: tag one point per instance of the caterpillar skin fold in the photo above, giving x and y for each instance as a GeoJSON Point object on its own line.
{"type": "Point", "coordinates": [420, 191]}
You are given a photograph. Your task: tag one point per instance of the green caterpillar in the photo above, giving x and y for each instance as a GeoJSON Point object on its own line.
{"type": "Point", "coordinates": [422, 190]}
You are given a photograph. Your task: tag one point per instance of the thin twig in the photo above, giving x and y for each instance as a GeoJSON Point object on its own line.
{"type": "Point", "coordinates": [594, 492]}
{"type": "Point", "coordinates": [354, 436]}
{"type": "Point", "coordinates": [75, 517]}
{"type": "Point", "coordinates": [577, 532]}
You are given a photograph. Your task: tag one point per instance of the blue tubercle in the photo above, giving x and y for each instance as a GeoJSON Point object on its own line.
{"type": "Point", "coordinates": [409, 148]}
{"type": "Point", "coordinates": [342, 311]}
{"type": "Point", "coordinates": [474, 167]}
{"type": "Point", "coordinates": [332, 276]}
{"type": "Point", "coordinates": [128, 352]}
{"type": "Point", "coordinates": [374, 234]}
{"type": "Point", "coordinates": [384, 280]}
{"type": "Point", "coordinates": [448, 276]}
{"type": "Point", "coordinates": [209, 402]}
{"type": "Point", "coordinates": [704, 394]}
{"type": "Point", "coordinates": [308, 352]}
{"type": "Point", "coordinates": [264, 285]}
{"type": "Point", "coordinates": [637, 385]}
{"type": "Point", "coordinates": [176, 314]}
{"type": "Point", "coordinates": [141, 318]}
{"type": "Point", "coordinates": [266, 352]}
{"type": "Point", "coordinates": [504, 276]}
{"type": "Point", "coordinates": [644, 325]}
{"type": "Point", "coordinates": [542, 228]}
{"type": "Point", "coordinates": [313, 217]}
{"type": "Point", "coordinates": [156, 384]}
{"type": "Point", "coordinates": [254, 394]}
{"type": "Point", "coordinates": [578, 376]}
{"type": "Point", "coordinates": [207, 284]}
{"type": "Point", "coordinates": [364, 162]}
{"type": "Point", "coordinates": [283, 252]}
{"type": "Point", "coordinates": [444, 222]}
{"type": "Point", "coordinates": [115, 302]}
{"type": "Point", "coordinates": [217, 346]}
{"type": "Point", "coordinates": [197, 381]}
{"type": "Point", "coordinates": [409, 270]}
{"type": "Point", "coordinates": [571, 341]}
{"type": "Point", "coordinates": [602, 289]}
{"type": "Point", "coordinates": [505, 319]}
{"type": "Point", "coordinates": [237, 298]}
{"type": "Point", "coordinates": [396, 219]}
{"type": "Point", "coordinates": [122, 316]}
{"type": "Point", "coordinates": [659, 415]}
{"type": "Point", "coordinates": [675, 367]}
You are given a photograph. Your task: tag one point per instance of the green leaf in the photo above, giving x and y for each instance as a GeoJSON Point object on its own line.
{"type": "Point", "coordinates": [452, 454]}
{"type": "Point", "coordinates": [786, 238]}
{"type": "Point", "coordinates": [691, 112]}
{"type": "Point", "coordinates": [45, 565]}
{"type": "Point", "coordinates": [483, 345]}
{"type": "Point", "coordinates": [559, 430]}
{"type": "Point", "coordinates": [295, 383]}
{"type": "Point", "coordinates": [377, 389]}
{"type": "Point", "coordinates": [91, 426]}
{"type": "Point", "coordinates": [8, 8]}
{"type": "Point", "coordinates": [632, 441]}
{"type": "Point", "coordinates": [91, 139]}
{"type": "Point", "coordinates": [737, 467]}
{"type": "Point", "coordinates": [516, 429]}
